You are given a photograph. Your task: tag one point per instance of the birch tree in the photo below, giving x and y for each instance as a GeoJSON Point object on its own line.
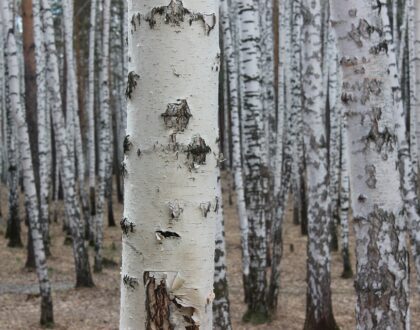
{"type": "Point", "coordinates": [382, 270]}
{"type": "Point", "coordinates": [105, 146]}
{"type": "Point", "coordinates": [319, 313]}
{"type": "Point", "coordinates": [232, 73]}
{"type": "Point", "coordinates": [171, 155]}
{"type": "Point", "coordinates": [44, 150]}
{"type": "Point", "coordinates": [31, 198]}
{"type": "Point", "coordinates": [253, 157]}
{"type": "Point", "coordinates": [91, 117]}
{"type": "Point", "coordinates": [66, 161]}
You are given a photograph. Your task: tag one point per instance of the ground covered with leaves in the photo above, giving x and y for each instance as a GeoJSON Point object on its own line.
{"type": "Point", "coordinates": [98, 308]}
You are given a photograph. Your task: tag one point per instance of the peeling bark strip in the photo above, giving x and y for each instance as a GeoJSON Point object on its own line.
{"type": "Point", "coordinates": [177, 115]}
{"type": "Point", "coordinates": [127, 226]}
{"type": "Point", "coordinates": [131, 84]}
{"type": "Point", "coordinates": [163, 310]}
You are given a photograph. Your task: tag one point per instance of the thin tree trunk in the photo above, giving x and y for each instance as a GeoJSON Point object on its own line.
{"type": "Point", "coordinates": [72, 209]}
{"type": "Point", "coordinates": [28, 172]}
{"type": "Point", "coordinates": [105, 145]}
{"type": "Point", "coordinates": [232, 73]}
{"type": "Point", "coordinates": [254, 160]}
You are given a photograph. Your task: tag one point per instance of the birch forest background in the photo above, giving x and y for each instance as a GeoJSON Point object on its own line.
{"type": "Point", "coordinates": [209, 164]}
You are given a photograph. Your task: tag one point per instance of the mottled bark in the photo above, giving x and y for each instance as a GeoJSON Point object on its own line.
{"type": "Point", "coordinates": [319, 312]}
{"type": "Point", "coordinates": [382, 266]}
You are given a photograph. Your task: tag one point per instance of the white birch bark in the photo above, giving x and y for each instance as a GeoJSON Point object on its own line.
{"type": "Point", "coordinates": [284, 151]}
{"type": "Point", "coordinates": [221, 305]}
{"type": "Point", "coordinates": [31, 198]}
{"type": "Point", "coordinates": [255, 168]}
{"type": "Point", "coordinates": [104, 143]}
{"type": "Point", "coordinates": [382, 271]}
{"type": "Point", "coordinates": [416, 61]}
{"type": "Point", "coordinates": [407, 174]}
{"type": "Point", "coordinates": [232, 73]}
{"type": "Point", "coordinates": [44, 150]}
{"type": "Point", "coordinates": [170, 166]}
{"type": "Point", "coordinates": [66, 161]}
{"type": "Point", "coordinates": [319, 312]}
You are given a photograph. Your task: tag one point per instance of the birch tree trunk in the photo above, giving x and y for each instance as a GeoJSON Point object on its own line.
{"type": "Point", "coordinates": [66, 161]}
{"type": "Point", "coordinates": [344, 197]}
{"type": "Point", "coordinates": [44, 150]}
{"type": "Point", "coordinates": [31, 198]}
{"type": "Point", "coordinates": [90, 110]}
{"type": "Point", "coordinates": [170, 166]}
{"type": "Point", "coordinates": [254, 160]}
{"type": "Point", "coordinates": [104, 143]}
{"type": "Point", "coordinates": [221, 305]}
{"type": "Point", "coordinates": [382, 266]}
{"type": "Point", "coordinates": [319, 313]}
{"type": "Point", "coordinates": [232, 73]}
{"type": "Point", "coordinates": [417, 66]}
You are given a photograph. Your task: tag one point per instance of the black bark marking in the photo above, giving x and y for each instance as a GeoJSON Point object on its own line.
{"type": "Point", "coordinates": [133, 21]}
{"type": "Point", "coordinates": [127, 226]}
{"type": "Point", "coordinates": [131, 84]}
{"type": "Point", "coordinates": [138, 152]}
{"type": "Point", "coordinates": [381, 47]}
{"type": "Point", "coordinates": [205, 208]}
{"type": "Point", "coordinates": [123, 169]}
{"type": "Point", "coordinates": [130, 282]}
{"type": "Point", "coordinates": [370, 171]}
{"type": "Point", "coordinates": [127, 144]}
{"type": "Point", "coordinates": [197, 151]}
{"type": "Point", "coordinates": [362, 198]}
{"type": "Point", "coordinates": [348, 97]}
{"type": "Point", "coordinates": [353, 12]}
{"type": "Point", "coordinates": [380, 137]}
{"type": "Point", "coordinates": [161, 235]}
{"type": "Point", "coordinates": [177, 115]}
{"type": "Point", "coordinates": [175, 13]}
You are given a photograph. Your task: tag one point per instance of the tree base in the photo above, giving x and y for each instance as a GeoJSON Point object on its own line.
{"type": "Point", "coordinates": [256, 317]}
{"type": "Point", "coordinates": [327, 323]}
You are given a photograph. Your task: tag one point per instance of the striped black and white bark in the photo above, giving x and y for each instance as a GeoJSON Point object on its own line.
{"type": "Point", "coordinates": [104, 143]}
{"type": "Point", "coordinates": [170, 165]}
{"type": "Point", "coordinates": [31, 198]}
{"type": "Point", "coordinates": [232, 73]}
{"type": "Point", "coordinates": [319, 313]}
{"type": "Point", "coordinates": [255, 169]}
{"type": "Point", "coordinates": [382, 270]}
{"type": "Point", "coordinates": [221, 305]}
{"type": "Point", "coordinates": [72, 208]}
{"type": "Point", "coordinates": [344, 196]}
{"type": "Point", "coordinates": [44, 146]}
{"type": "Point", "coordinates": [334, 103]}
{"type": "Point", "coordinates": [13, 221]}
{"type": "Point", "coordinates": [91, 118]}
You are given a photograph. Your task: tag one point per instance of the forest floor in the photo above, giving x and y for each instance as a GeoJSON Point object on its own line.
{"type": "Point", "coordinates": [98, 308]}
